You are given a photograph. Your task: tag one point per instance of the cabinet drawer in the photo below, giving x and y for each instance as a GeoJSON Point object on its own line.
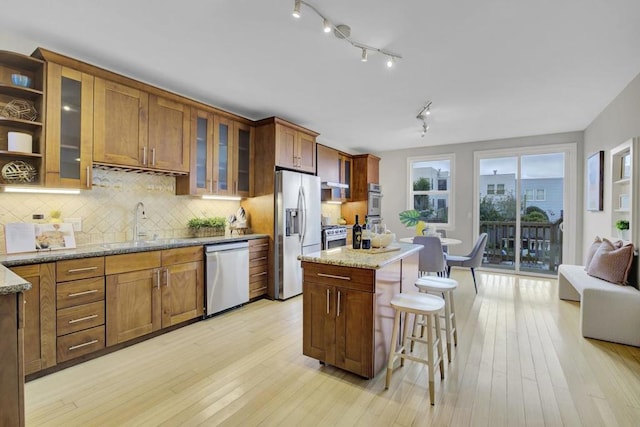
{"type": "Point", "coordinates": [80, 343]}
{"type": "Point", "coordinates": [257, 273]}
{"type": "Point", "coordinates": [180, 255]}
{"type": "Point", "coordinates": [84, 316]}
{"type": "Point", "coordinates": [82, 268]}
{"type": "Point", "coordinates": [256, 245]}
{"type": "Point", "coordinates": [359, 279]}
{"type": "Point", "coordinates": [258, 258]}
{"type": "Point", "coordinates": [79, 292]}
{"type": "Point", "coordinates": [124, 263]}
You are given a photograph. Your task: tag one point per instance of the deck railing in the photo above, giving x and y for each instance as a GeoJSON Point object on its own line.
{"type": "Point", "coordinates": [540, 248]}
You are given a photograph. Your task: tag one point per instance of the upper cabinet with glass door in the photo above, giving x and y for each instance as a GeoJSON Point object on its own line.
{"type": "Point", "coordinates": [69, 144]}
{"type": "Point", "coordinates": [221, 151]}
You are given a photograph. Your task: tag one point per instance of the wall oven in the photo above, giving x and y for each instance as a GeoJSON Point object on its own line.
{"type": "Point", "coordinates": [374, 202]}
{"type": "Point", "coordinates": [333, 236]}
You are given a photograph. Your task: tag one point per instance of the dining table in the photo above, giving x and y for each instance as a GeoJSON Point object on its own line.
{"type": "Point", "coordinates": [446, 241]}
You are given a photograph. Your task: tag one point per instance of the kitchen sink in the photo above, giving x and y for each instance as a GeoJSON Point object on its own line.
{"type": "Point", "coordinates": [141, 243]}
{"type": "Point", "coordinates": [131, 244]}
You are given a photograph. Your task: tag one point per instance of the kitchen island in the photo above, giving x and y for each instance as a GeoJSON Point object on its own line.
{"type": "Point", "coordinates": [347, 318]}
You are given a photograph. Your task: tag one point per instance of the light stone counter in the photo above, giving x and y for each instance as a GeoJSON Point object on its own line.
{"type": "Point", "coordinates": [348, 257]}
{"type": "Point", "coordinates": [11, 283]}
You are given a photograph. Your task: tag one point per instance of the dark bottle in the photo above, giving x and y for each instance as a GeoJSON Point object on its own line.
{"type": "Point", "coordinates": [366, 235]}
{"type": "Point", "coordinates": [357, 235]}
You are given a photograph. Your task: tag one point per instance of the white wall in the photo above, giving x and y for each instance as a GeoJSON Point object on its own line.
{"type": "Point", "coordinates": [617, 123]}
{"type": "Point", "coordinates": [393, 178]}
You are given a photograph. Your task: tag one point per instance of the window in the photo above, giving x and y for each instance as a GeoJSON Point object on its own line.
{"type": "Point", "coordinates": [430, 188]}
{"type": "Point", "coordinates": [491, 189]}
{"type": "Point", "coordinates": [535, 195]}
{"type": "Point", "coordinates": [540, 195]}
{"type": "Point", "coordinates": [500, 189]}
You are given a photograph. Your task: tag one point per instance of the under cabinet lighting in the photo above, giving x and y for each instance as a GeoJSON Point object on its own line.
{"type": "Point", "coordinates": [40, 190]}
{"type": "Point", "coordinates": [213, 197]}
{"type": "Point", "coordinates": [334, 202]}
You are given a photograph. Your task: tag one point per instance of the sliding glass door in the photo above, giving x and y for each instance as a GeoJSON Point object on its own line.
{"type": "Point", "coordinates": [522, 206]}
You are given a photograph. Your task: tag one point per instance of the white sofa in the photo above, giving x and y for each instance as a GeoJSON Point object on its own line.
{"type": "Point", "coordinates": [607, 312]}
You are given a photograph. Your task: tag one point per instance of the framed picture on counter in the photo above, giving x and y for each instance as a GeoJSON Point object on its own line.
{"type": "Point", "coordinates": [29, 237]}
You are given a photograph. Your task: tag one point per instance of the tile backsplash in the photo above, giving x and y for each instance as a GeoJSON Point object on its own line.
{"type": "Point", "coordinates": [107, 211]}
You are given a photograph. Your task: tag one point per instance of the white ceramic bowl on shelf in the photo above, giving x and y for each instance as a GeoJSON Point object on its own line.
{"type": "Point", "coordinates": [20, 142]}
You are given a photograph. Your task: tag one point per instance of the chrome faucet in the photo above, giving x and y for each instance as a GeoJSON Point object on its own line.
{"type": "Point", "coordinates": [136, 228]}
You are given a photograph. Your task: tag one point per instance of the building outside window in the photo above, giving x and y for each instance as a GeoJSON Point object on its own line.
{"type": "Point", "coordinates": [491, 189]}
{"type": "Point", "coordinates": [430, 188]}
{"type": "Point", "coordinates": [500, 189]}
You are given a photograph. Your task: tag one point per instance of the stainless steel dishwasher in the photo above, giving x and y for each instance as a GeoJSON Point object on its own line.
{"type": "Point", "coordinates": [227, 275]}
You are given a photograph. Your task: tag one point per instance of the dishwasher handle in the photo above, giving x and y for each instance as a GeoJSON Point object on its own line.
{"type": "Point", "coordinates": [244, 244]}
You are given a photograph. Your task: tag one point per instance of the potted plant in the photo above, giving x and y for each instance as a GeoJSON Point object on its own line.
{"type": "Point", "coordinates": [413, 217]}
{"type": "Point", "coordinates": [623, 229]}
{"type": "Point", "coordinates": [207, 226]}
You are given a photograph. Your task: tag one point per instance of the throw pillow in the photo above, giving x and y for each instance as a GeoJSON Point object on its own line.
{"type": "Point", "coordinates": [591, 252]}
{"type": "Point", "coordinates": [611, 263]}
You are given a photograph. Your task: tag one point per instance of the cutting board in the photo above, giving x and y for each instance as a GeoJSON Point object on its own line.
{"type": "Point", "coordinates": [375, 250]}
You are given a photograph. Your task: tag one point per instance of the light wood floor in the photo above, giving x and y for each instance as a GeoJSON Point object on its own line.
{"type": "Point", "coordinates": [520, 361]}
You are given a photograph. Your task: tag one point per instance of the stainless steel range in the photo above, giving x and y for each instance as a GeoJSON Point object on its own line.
{"type": "Point", "coordinates": [333, 236]}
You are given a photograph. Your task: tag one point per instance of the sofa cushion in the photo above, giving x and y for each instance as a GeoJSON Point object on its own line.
{"type": "Point", "coordinates": [597, 241]}
{"type": "Point", "coordinates": [611, 263]}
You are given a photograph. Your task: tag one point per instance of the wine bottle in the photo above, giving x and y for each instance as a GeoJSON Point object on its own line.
{"type": "Point", "coordinates": [357, 235]}
{"type": "Point", "coordinates": [366, 234]}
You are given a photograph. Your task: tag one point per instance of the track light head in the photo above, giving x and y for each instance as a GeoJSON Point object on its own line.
{"type": "Point", "coordinates": [296, 9]}
{"type": "Point", "coordinates": [326, 26]}
{"type": "Point", "coordinates": [390, 62]}
{"type": "Point", "coordinates": [363, 58]}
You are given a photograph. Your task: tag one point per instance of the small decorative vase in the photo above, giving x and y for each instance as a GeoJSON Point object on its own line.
{"type": "Point", "coordinates": [420, 226]}
{"type": "Point", "coordinates": [623, 234]}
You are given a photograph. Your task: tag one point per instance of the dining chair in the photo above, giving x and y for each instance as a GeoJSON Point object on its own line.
{"type": "Point", "coordinates": [443, 233]}
{"type": "Point", "coordinates": [472, 260]}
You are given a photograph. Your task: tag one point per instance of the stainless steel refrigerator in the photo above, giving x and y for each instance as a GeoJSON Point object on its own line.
{"type": "Point", "coordinates": [297, 228]}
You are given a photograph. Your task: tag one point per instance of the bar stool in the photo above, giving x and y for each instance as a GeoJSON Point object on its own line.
{"type": "Point", "coordinates": [445, 287]}
{"type": "Point", "coordinates": [428, 306]}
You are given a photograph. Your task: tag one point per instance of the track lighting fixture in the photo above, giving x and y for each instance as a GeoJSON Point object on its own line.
{"type": "Point", "coordinates": [422, 115]}
{"type": "Point", "coordinates": [327, 26]}
{"type": "Point", "coordinates": [344, 32]}
{"type": "Point", "coordinates": [296, 9]}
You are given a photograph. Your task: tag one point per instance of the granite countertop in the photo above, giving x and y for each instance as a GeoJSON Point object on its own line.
{"type": "Point", "coordinates": [11, 283]}
{"type": "Point", "coordinates": [362, 258]}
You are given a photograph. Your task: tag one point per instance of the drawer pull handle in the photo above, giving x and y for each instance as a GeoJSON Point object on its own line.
{"type": "Point", "coordinates": [260, 259]}
{"type": "Point", "coordinates": [77, 294]}
{"type": "Point", "coordinates": [259, 274]}
{"type": "Point", "coordinates": [75, 347]}
{"type": "Point", "coordinates": [79, 270]}
{"type": "Point", "coordinates": [93, 316]}
{"type": "Point", "coordinates": [334, 276]}
{"type": "Point", "coordinates": [260, 245]}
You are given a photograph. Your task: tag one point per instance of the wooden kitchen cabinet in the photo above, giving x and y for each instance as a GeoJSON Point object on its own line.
{"type": "Point", "coordinates": [221, 157]}
{"type": "Point", "coordinates": [258, 267]}
{"type": "Point", "coordinates": [334, 166]}
{"type": "Point", "coordinates": [69, 136]}
{"type": "Point", "coordinates": [17, 121]}
{"type": "Point", "coordinates": [39, 316]}
{"type": "Point", "coordinates": [338, 325]}
{"type": "Point", "coordinates": [366, 170]}
{"type": "Point", "coordinates": [80, 300]}
{"type": "Point", "coordinates": [182, 285]}
{"type": "Point", "coordinates": [285, 144]}
{"type": "Point", "coordinates": [169, 131]}
{"type": "Point", "coordinates": [11, 360]}
{"type": "Point", "coordinates": [152, 290]}
{"type": "Point", "coordinates": [121, 115]}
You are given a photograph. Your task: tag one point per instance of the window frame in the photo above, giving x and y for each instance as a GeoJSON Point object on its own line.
{"type": "Point", "coordinates": [450, 157]}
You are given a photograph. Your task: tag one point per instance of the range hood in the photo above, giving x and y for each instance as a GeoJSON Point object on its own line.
{"type": "Point", "coordinates": [327, 185]}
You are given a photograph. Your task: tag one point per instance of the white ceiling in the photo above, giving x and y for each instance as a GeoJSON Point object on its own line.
{"type": "Point", "coordinates": [493, 68]}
